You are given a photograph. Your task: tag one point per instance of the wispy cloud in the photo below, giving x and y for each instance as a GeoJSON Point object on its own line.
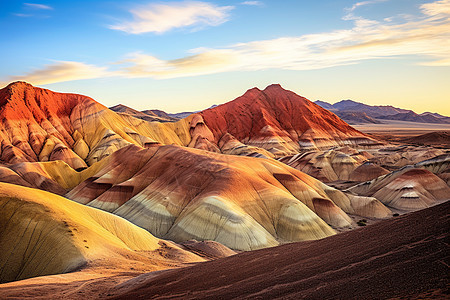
{"type": "Point", "coordinates": [349, 11]}
{"type": "Point", "coordinates": [61, 71]}
{"type": "Point", "coordinates": [23, 15]}
{"type": "Point", "coordinates": [254, 3]}
{"type": "Point", "coordinates": [33, 10]}
{"type": "Point", "coordinates": [207, 62]}
{"type": "Point", "coordinates": [38, 6]}
{"type": "Point", "coordinates": [363, 3]}
{"type": "Point", "coordinates": [160, 18]}
{"type": "Point", "coordinates": [437, 63]}
{"type": "Point", "coordinates": [437, 8]}
{"type": "Point", "coordinates": [428, 35]}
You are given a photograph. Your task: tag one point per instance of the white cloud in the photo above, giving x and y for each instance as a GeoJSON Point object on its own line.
{"type": "Point", "coordinates": [254, 3]}
{"type": "Point", "coordinates": [350, 10]}
{"type": "Point", "coordinates": [159, 18]}
{"type": "Point", "coordinates": [441, 7]}
{"type": "Point", "coordinates": [363, 3]}
{"type": "Point", "coordinates": [210, 61]}
{"type": "Point", "coordinates": [38, 6]}
{"type": "Point", "coordinates": [427, 35]}
{"type": "Point", "coordinates": [62, 71]}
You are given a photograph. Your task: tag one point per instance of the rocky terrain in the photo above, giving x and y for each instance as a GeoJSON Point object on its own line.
{"type": "Point", "coordinates": [103, 195]}
{"type": "Point", "coordinates": [359, 113]}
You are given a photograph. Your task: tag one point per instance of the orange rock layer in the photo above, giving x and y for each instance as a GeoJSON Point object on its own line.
{"type": "Point", "coordinates": [243, 202]}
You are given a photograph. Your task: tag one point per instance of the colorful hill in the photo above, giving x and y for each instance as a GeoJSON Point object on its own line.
{"type": "Point", "coordinates": [281, 122]}
{"type": "Point", "coordinates": [408, 189]}
{"type": "Point", "coordinates": [242, 202]}
{"type": "Point", "coordinates": [43, 234]}
{"type": "Point", "coordinates": [41, 125]}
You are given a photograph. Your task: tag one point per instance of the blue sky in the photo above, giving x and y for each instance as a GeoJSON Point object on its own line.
{"type": "Point", "coordinates": [188, 55]}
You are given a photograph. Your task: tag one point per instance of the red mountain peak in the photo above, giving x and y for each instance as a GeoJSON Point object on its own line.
{"type": "Point", "coordinates": [274, 115]}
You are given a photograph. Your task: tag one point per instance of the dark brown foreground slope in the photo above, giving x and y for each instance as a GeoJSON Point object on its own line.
{"type": "Point", "coordinates": [401, 257]}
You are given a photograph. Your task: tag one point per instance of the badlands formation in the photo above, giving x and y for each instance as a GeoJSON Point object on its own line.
{"type": "Point", "coordinates": [103, 196]}
{"type": "Point", "coordinates": [245, 203]}
{"type": "Point", "coordinates": [42, 234]}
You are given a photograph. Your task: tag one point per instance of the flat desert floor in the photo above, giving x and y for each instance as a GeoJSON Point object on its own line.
{"type": "Point", "coordinates": [401, 128]}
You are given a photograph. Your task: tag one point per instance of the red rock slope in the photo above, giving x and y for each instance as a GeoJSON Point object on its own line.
{"type": "Point", "coordinates": [280, 121]}
{"type": "Point", "coordinates": [36, 125]}
{"type": "Point", "coordinates": [41, 125]}
{"type": "Point", "coordinates": [402, 257]}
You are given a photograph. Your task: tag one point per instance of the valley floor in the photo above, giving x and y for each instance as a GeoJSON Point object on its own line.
{"type": "Point", "coordinates": [401, 128]}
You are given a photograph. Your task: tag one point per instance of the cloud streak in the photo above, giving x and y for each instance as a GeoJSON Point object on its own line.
{"type": "Point", "coordinates": [441, 7]}
{"type": "Point", "coordinates": [350, 16]}
{"type": "Point", "coordinates": [23, 15]}
{"type": "Point", "coordinates": [426, 36]}
{"type": "Point", "coordinates": [252, 3]}
{"type": "Point", "coordinates": [61, 71]}
{"type": "Point", "coordinates": [363, 3]}
{"type": "Point", "coordinates": [160, 18]}
{"type": "Point", "coordinates": [38, 6]}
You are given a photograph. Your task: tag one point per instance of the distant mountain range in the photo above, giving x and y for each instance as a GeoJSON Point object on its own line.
{"type": "Point", "coordinates": [422, 118]}
{"type": "Point", "coordinates": [147, 115]}
{"type": "Point", "coordinates": [356, 113]}
{"type": "Point", "coordinates": [153, 114]}
{"type": "Point", "coordinates": [348, 110]}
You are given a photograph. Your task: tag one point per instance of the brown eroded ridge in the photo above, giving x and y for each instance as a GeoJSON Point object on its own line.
{"type": "Point", "coordinates": [401, 257]}
{"type": "Point", "coordinates": [39, 125]}
{"type": "Point", "coordinates": [36, 124]}
{"type": "Point", "coordinates": [147, 115]}
{"type": "Point", "coordinates": [367, 171]}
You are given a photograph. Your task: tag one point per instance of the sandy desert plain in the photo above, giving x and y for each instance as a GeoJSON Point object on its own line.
{"type": "Point", "coordinates": [266, 196]}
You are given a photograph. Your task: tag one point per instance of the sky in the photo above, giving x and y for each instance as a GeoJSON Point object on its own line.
{"type": "Point", "coordinates": [188, 55]}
